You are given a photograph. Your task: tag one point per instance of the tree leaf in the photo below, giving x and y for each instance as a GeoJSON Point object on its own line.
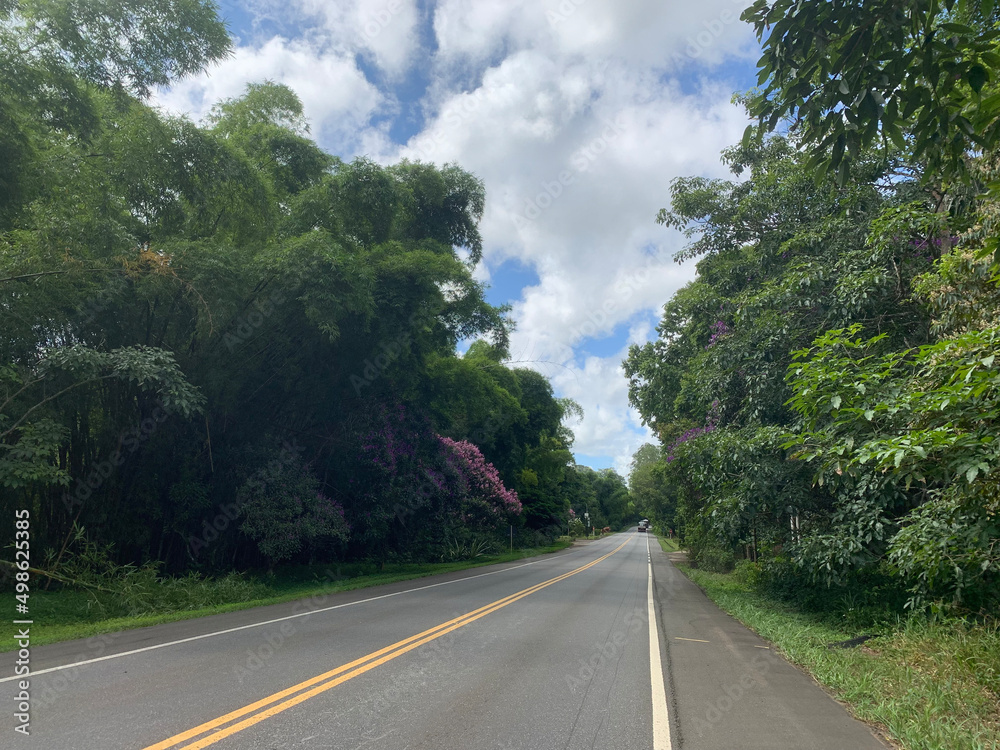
{"type": "Point", "coordinates": [977, 76]}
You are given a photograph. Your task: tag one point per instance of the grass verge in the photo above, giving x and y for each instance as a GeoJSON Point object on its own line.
{"type": "Point", "coordinates": [68, 614]}
{"type": "Point", "coordinates": [668, 545]}
{"type": "Point", "coordinates": [931, 685]}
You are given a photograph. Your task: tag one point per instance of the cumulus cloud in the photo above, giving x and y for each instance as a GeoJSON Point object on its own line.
{"type": "Point", "coordinates": [577, 156]}
{"type": "Point", "coordinates": [609, 427]}
{"type": "Point", "coordinates": [339, 101]}
{"type": "Point", "coordinates": [384, 29]}
{"type": "Point", "coordinates": [577, 115]}
{"type": "Point", "coordinates": [640, 32]}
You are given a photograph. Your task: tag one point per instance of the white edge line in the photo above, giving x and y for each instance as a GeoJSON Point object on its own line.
{"type": "Point", "coordinates": [71, 665]}
{"type": "Point", "coordinates": [661, 716]}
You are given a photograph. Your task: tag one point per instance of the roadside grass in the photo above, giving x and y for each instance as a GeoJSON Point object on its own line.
{"type": "Point", "coordinates": [69, 614]}
{"type": "Point", "coordinates": [929, 684]}
{"type": "Point", "coordinates": [668, 545]}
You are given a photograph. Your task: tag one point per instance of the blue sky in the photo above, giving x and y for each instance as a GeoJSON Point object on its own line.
{"type": "Point", "coordinates": [576, 114]}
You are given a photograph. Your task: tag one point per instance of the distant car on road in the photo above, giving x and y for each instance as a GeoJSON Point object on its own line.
{"type": "Point", "coordinates": [644, 524]}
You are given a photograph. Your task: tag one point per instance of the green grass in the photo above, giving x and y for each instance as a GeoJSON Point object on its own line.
{"type": "Point", "coordinates": [70, 614]}
{"type": "Point", "coordinates": [668, 545]}
{"type": "Point", "coordinates": [931, 685]}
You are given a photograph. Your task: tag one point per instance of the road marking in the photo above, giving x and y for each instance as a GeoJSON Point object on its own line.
{"type": "Point", "coordinates": [661, 717]}
{"type": "Point", "coordinates": [696, 640]}
{"type": "Point", "coordinates": [765, 647]}
{"type": "Point", "coordinates": [292, 696]}
{"type": "Point", "coordinates": [71, 665]}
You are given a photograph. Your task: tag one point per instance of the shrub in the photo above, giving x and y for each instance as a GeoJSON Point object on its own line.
{"type": "Point", "coordinates": [715, 559]}
{"type": "Point", "coordinates": [748, 573]}
{"type": "Point", "coordinates": [130, 590]}
{"type": "Point", "coordinates": [284, 512]}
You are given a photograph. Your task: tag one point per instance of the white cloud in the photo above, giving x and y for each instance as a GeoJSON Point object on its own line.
{"type": "Point", "coordinates": [640, 32]}
{"type": "Point", "coordinates": [607, 429]}
{"type": "Point", "coordinates": [573, 113]}
{"type": "Point", "coordinates": [338, 100]}
{"type": "Point", "coordinates": [577, 156]}
{"type": "Point", "coordinates": [384, 29]}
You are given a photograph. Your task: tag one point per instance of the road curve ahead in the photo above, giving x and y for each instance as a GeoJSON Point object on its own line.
{"type": "Point", "coordinates": [603, 646]}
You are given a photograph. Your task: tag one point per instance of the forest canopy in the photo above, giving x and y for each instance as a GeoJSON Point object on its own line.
{"type": "Point", "coordinates": [225, 348]}
{"type": "Point", "coordinates": [826, 391]}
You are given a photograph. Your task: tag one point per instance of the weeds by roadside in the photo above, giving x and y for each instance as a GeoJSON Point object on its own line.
{"type": "Point", "coordinates": [932, 683]}
{"type": "Point", "coordinates": [668, 545]}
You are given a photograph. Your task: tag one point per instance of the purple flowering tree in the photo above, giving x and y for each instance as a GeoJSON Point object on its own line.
{"type": "Point", "coordinates": [711, 422]}
{"type": "Point", "coordinates": [483, 502]}
{"type": "Point", "coordinates": [397, 483]}
{"type": "Point", "coordinates": [412, 492]}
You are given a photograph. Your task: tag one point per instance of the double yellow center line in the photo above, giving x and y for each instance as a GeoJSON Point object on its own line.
{"type": "Point", "coordinates": [233, 722]}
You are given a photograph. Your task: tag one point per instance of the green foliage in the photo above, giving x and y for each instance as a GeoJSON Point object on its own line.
{"type": "Point", "coordinates": [928, 416]}
{"type": "Point", "coordinates": [649, 495]}
{"type": "Point", "coordinates": [825, 390]}
{"type": "Point", "coordinates": [715, 559]}
{"type": "Point", "coordinates": [55, 53]}
{"type": "Point", "coordinates": [851, 75]}
{"type": "Point", "coordinates": [202, 321]}
{"type": "Point", "coordinates": [468, 549]}
{"type": "Point", "coordinates": [963, 293]}
{"type": "Point", "coordinates": [132, 46]}
{"type": "Point", "coordinates": [948, 548]}
{"type": "Point", "coordinates": [748, 573]}
{"type": "Point", "coordinates": [283, 511]}
{"type": "Point", "coordinates": [783, 258]}
{"type": "Point", "coordinates": [33, 457]}
{"type": "Point", "coordinates": [29, 450]}
{"type": "Point", "coordinates": [116, 590]}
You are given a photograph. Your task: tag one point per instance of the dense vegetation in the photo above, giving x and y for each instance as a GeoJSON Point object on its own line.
{"type": "Point", "coordinates": [223, 348]}
{"type": "Point", "coordinates": [826, 393]}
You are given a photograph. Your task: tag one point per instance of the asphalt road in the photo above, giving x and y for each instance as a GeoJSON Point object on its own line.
{"type": "Point", "coordinates": [559, 651]}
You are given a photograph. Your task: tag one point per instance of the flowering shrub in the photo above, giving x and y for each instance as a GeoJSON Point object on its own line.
{"type": "Point", "coordinates": [396, 476]}
{"type": "Point", "coordinates": [719, 330]}
{"type": "Point", "coordinates": [481, 491]}
{"type": "Point", "coordinates": [711, 422]}
{"type": "Point", "coordinates": [415, 492]}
